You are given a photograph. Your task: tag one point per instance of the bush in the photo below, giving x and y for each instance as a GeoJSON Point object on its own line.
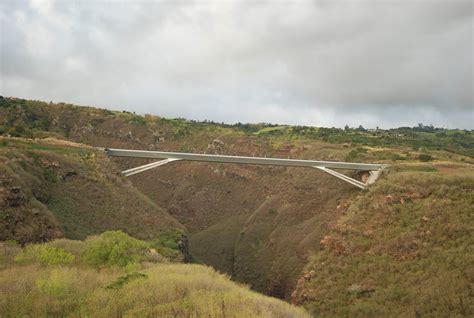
{"type": "Point", "coordinates": [114, 248]}
{"type": "Point", "coordinates": [122, 280]}
{"type": "Point", "coordinates": [167, 238]}
{"type": "Point", "coordinates": [166, 244]}
{"type": "Point", "coordinates": [425, 157]}
{"type": "Point", "coordinates": [396, 156]}
{"type": "Point", "coordinates": [49, 175]}
{"type": "Point", "coordinates": [71, 246]}
{"type": "Point", "coordinates": [44, 254]}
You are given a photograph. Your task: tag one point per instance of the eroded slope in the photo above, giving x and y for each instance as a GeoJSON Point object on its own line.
{"type": "Point", "coordinates": [52, 188]}
{"type": "Point", "coordinates": [404, 248]}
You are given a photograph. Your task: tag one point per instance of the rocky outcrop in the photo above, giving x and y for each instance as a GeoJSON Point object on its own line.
{"type": "Point", "coordinates": [216, 147]}
{"type": "Point", "coordinates": [183, 247]}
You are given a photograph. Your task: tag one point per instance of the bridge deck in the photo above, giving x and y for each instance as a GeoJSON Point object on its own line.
{"type": "Point", "coordinates": [242, 159]}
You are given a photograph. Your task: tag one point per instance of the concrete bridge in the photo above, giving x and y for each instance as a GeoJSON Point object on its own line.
{"type": "Point", "coordinates": [326, 166]}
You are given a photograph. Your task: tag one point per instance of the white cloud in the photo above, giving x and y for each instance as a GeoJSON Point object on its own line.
{"type": "Point", "coordinates": [376, 63]}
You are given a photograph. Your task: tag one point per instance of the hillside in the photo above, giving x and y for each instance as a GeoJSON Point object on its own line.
{"type": "Point", "coordinates": [347, 252]}
{"type": "Point", "coordinates": [405, 248]}
{"type": "Point", "coordinates": [73, 279]}
{"type": "Point", "coordinates": [52, 188]}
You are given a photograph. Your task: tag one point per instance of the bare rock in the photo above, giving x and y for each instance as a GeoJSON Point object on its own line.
{"type": "Point", "coordinates": [216, 147]}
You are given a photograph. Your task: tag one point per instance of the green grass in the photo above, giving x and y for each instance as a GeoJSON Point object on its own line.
{"type": "Point", "coordinates": [37, 148]}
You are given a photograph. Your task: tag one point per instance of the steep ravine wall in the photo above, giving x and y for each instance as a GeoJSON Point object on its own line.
{"type": "Point", "coordinates": [258, 224]}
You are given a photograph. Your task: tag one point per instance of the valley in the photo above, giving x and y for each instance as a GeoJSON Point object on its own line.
{"type": "Point", "coordinates": [291, 233]}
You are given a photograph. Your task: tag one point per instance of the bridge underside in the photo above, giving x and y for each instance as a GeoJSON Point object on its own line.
{"type": "Point", "coordinates": [326, 166]}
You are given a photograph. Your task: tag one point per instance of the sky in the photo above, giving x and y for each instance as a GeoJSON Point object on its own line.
{"type": "Point", "coordinates": [321, 63]}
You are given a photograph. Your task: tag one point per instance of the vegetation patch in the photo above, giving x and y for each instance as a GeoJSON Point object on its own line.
{"type": "Point", "coordinates": [425, 157]}
{"type": "Point", "coordinates": [167, 243]}
{"type": "Point", "coordinates": [114, 248]}
{"type": "Point", "coordinates": [122, 280]}
{"type": "Point", "coordinates": [44, 254]}
{"type": "Point", "coordinates": [153, 290]}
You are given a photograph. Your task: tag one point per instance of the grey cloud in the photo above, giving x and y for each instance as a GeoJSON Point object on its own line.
{"type": "Point", "coordinates": [376, 63]}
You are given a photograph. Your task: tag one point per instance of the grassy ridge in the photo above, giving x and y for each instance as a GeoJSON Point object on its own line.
{"type": "Point", "coordinates": [167, 291]}
{"type": "Point", "coordinates": [73, 279]}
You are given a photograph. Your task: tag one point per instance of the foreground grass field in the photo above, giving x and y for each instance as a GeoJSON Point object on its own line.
{"type": "Point", "coordinates": [97, 279]}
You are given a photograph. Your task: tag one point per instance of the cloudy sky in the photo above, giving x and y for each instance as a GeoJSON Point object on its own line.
{"type": "Point", "coordinates": [323, 63]}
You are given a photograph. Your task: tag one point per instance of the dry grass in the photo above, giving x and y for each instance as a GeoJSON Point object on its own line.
{"type": "Point", "coordinates": [404, 249]}
{"type": "Point", "coordinates": [161, 290]}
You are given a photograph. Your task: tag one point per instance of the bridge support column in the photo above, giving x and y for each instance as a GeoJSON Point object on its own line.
{"type": "Point", "coordinates": [343, 177]}
{"type": "Point", "coordinates": [132, 171]}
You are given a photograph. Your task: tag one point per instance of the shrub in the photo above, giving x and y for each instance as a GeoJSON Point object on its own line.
{"type": "Point", "coordinates": [49, 175]}
{"type": "Point", "coordinates": [425, 157]}
{"type": "Point", "coordinates": [71, 246]}
{"type": "Point", "coordinates": [122, 280]}
{"type": "Point", "coordinates": [167, 238]}
{"type": "Point", "coordinates": [113, 248]}
{"type": "Point", "coordinates": [168, 253]}
{"type": "Point", "coordinates": [138, 120]}
{"type": "Point", "coordinates": [396, 156]}
{"type": "Point", "coordinates": [44, 254]}
{"type": "Point", "coordinates": [166, 244]}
